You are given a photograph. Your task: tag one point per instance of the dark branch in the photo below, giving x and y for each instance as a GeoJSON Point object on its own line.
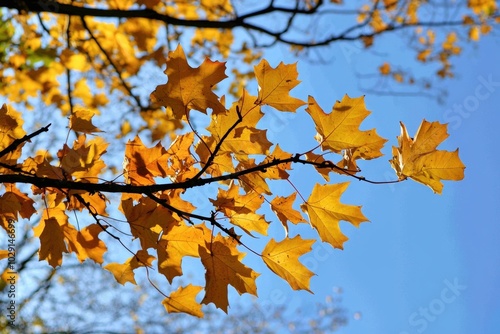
{"type": "Point", "coordinates": [353, 33]}
{"type": "Point", "coordinates": [12, 147]}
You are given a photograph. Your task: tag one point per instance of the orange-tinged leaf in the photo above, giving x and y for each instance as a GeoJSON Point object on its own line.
{"type": "Point", "coordinates": [339, 130]}
{"type": "Point", "coordinates": [89, 240]}
{"type": "Point", "coordinates": [325, 212]}
{"type": "Point", "coordinates": [143, 164]}
{"type": "Point", "coordinates": [123, 273]}
{"type": "Point", "coordinates": [184, 301]}
{"type": "Point", "coordinates": [253, 181]}
{"type": "Point", "coordinates": [190, 88]}
{"type": "Point", "coordinates": [419, 159]}
{"type": "Point", "coordinates": [283, 259]}
{"type": "Point", "coordinates": [51, 241]}
{"type": "Point", "coordinates": [231, 201]}
{"type": "Point", "coordinates": [282, 207]}
{"type": "Point", "coordinates": [275, 85]}
{"type": "Point", "coordinates": [13, 203]}
{"type": "Point", "coordinates": [83, 161]}
{"type": "Point", "coordinates": [146, 219]}
{"type": "Point", "coordinates": [223, 265]}
{"type": "Point", "coordinates": [11, 124]}
{"type": "Point", "coordinates": [81, 121]}
{"type": "Point", "coordinates": [385, 69]}
{"type": "Point", "coordinates": [179, 241]}
{"type": "Point", "coordinates": [241, 136]}
{"type": "Point", "coordinates": [323, 171]}
{"type": "Point", "coordinates": [73, 61]}
{"type": "Point", "coordinates": [4, 254]}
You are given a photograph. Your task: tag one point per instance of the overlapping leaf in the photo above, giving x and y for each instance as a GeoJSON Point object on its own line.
{"type": "Point", "coordinates": [418, 158]}
{"type": "Point", "coordinates": [190, 88]}
{"type": "Point", "coordinates": [340, 131]}
{"type": "Point", "coordinates": [222, 262]}
{"type": "Point", "coordinates": [275, 85]}
{"type": "Point", "coordinates": [325, 212]}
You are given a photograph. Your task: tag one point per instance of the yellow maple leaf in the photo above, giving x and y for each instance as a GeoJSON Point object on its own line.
{"type": "Point", "coordinates": [143, 164]}
{"type": "Point", "coordinates": [283, 259]}
{"type": "Point", "coordinates": [51, 241]}
{"type": "Point", "coordinates": [190, 88]}
{"type": "Point", "coordinates": [176, 242]}
{"type": "Point", "coordinates": [83, 161]}
{"type": "Point", "coordinates": [339, 130]}
{"type": "Point", "coordinates": [223, 265]}
{"type": "Point", "coordinates": [73, 61]}
{"type": "Point", "coordinates": [419, 159]}
{"type": "Point", "coordinates": [282, 207]}
{"type": "Point", "coordinates": [145, 219]}
{"type": "Point", "coordinates": [183, 301]}
{"type": "Point", "coordinates": [13, 203]}
{"type": "Point", "coordinates": [90, 242]}
{"type": "Point", "coordinates": [81, 121]}
{"type": "Point", "coordinates": [123, 273]}
{"type": "Point", "coordinates": [275, 85]}
{"type": "Point", "coordinates": [11, 124]}
{"type": "Point", "coordinates": [325, 212]}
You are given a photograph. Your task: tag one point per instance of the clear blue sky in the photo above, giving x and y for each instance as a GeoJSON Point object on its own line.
{"type": "Point", "coordinates": [426, 263]}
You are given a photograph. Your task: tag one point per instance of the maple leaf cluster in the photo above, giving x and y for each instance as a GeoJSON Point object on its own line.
{"type": "Point", "coordinates": [233, 154]}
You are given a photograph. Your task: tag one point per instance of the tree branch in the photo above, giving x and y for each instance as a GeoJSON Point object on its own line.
{"type": "Point", "coordinates": [19, 141]}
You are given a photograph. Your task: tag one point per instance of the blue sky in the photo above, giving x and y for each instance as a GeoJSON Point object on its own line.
{"type": "Point", "coordinates": [426, 263]}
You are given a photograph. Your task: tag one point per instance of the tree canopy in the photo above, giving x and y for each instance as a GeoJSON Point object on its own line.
{"type": "Point", "coordinates": [105, 166]}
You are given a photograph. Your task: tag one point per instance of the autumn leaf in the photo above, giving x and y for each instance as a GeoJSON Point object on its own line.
{"type": "Point", "coordinates": [13, 203]}
{"type": "Point", "coordinates": [143, 163]}
{"type": "Point", "coordinates": [241, 209]}
{"type": "Point", "coordinates": [147, 220]}
{"type": "Point", "coordinates": [282, 207]}
{"type": "Point", "coordinates": [90, 242]}
{"type": "Point", "coordinates": [183, 301]}
{"type": "Point", "coordinates": [283, 259]}
{"type": "Point", "coordinates": [419, 159]}
{"type": "Point", "coordinates": [325, 212]}
{"type": "Point", "coordinates": [81, 121]}
{"type": "Point", "coordinates": [275, 85]}
{"type": "Point", "coordinates": [11, 124]}
{"type": "Point", "coordinates": [51, 241]}
{"type": "Point", "coordinates": [4, 254]}
{"type": "Point", "coordinates": [177, 242]}
{"type": "Point", "coordinates": [190, 88]}
{"type": "Point", "coordinates": [241, 137]}
{"type": "Point", "coordinates": [73, 61]}
{"type": "Point", "coordinates": [124, 272]}
{"type": "Point", "coordinates": [222, 262]}
{"type": "Point", "coordinates": [385, 68]}
{"type": "Point", "coordinates": [339, 130]}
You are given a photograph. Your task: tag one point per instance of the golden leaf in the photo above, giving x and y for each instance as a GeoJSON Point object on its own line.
{"type": "Point", "coordinates": [419, 159]}
{"type": "Point", "coordinates": [223, 265]}
{"type": "Point", "coordinates": [283, 259]}
{"type": "Point", "coordinates": [275, 85]}
{"type": "Point", "coordinates": [339, 130]}
{"type": "Point", "coordinates": [325, 213]}
{"type": "Point", "coordinates": [183, 301]}
{"type": "Point", "coordinates": [81, 121]}
{"type": "Point", "coordinates": [189, 88]}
